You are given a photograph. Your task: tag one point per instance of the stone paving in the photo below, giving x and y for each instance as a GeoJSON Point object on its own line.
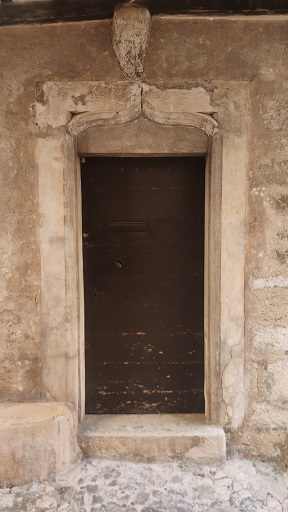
{"type": "Point", "coordinates": [101, 485]}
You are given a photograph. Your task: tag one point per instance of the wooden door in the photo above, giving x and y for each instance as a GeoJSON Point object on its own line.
{"type": "Point", "coordinates": [143, 250]}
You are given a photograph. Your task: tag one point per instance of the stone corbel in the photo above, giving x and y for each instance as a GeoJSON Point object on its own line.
{"type": "Point", "coordinates": [130, 34]}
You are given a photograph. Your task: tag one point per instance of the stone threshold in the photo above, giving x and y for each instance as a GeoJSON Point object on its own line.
{"type": "Point", "coordinates": [152, 438]}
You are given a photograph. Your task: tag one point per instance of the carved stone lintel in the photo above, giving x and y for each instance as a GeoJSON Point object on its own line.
{"type": "Point", "coordinates": [82, 105]}
{"type": "Point", "coordinates": [61, 103]}
{"type": "Point", "coordinates": [130, 35]}
{"type": "Point", "coordinates": [81, 122]}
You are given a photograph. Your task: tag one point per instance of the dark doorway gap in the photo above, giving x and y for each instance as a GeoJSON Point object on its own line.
{"type": "Point", "coordinates": [52, 11]}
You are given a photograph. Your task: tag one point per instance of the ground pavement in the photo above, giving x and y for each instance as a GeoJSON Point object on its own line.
{"type": "Point", "coordinates": [101, 485]}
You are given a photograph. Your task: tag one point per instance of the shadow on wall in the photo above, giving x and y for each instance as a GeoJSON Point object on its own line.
{"type": "Point", "coordinates": [51, 11]}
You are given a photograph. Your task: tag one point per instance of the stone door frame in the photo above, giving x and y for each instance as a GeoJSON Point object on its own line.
{"type": "Point", "coordinates": [74, 111]}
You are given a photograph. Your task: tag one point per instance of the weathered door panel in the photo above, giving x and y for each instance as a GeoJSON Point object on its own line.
{"type": "Point", "coordinates": [143, 250]}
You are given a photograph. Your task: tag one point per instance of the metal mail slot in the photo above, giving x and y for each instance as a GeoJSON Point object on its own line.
{"type": "Point", "coordinates": [127, 226]}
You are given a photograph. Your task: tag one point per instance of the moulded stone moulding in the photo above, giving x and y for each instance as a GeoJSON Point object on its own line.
{"type": "Point", "coordinates": [38, 440]}
{"type": "Point", "coordinates": [58, 102]}
{"type": "Point", "coordinates": [59, 170]}
{"type": "Point", "coordinates": [180, 107]}
{"type": "Point", "coordinates": [130, 34]}
{"type": "Point", "coordinates": [84, 121]}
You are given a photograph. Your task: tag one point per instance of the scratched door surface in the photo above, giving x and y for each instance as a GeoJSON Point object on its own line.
{"type": "Point", "coordinates": [143, 250]}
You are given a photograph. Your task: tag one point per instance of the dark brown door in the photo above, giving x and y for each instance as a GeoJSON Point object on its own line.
{"type": "Point", "coordinates": [143, 249]}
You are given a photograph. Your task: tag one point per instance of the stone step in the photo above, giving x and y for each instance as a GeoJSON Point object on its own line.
{"type": "Point", "coordinates": [152, 438]}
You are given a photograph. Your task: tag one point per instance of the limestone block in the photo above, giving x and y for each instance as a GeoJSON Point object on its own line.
{"type": "Point", "coordinates": [274, 415]}
{"type": "Point", "coordinates": [258, 442]}
{"type": "Point", "coordinates": [270, 339]}
{"type": "Point", "coordinates": [177, 106]}
{"type": "Point", "coordinates": [37, 441]}
{"type": "Point", "coordinates": [142, 137]}
{"type": "Point", "coordinates": [152, 438]}
{"type": "Point", "coordinates": [58, 102]}
{"type": "Point", "coordinates": [268, 305]}
{"type": "Point", "coordinates": [270, 282]}
{"type": "Point", "coordinates": [194, 99]}
{"type": "Point", "coordinates": [276, 380]}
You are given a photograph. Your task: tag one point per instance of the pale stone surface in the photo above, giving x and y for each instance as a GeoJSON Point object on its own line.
{"type": "Point", "coordinates": [196, 99]}
{"type": "Point", "coordinates": [223, 482]}
{"type": "Point", "coordinates": [142, 137]}
{"type": "Point", "coordinates": [266, 413]}
{"type": "Point", "coordinates": [6, 500]}
{"type": "Point", "coordinates": [275, 380]}
{"type": "Point", "coordinates": [37, 441]}
{"type": "Point", "coordinates": [269, 339]}
{"type": "Point", "coordinates": [234, 178]}
{"type": "Point", "coordinates": [46, 503]}
{"type": "Point", "coordinates": [241, 495]}
{"type": "Point", "coordinates": [274, 504]}
{"type": "Point", "coordinates": [260, 442]}
{"type": "Point", "coordinates": [59, 345]}
{"type": "Point", "coordinates": [175, 487]}
{"type": "Point", "coordinates": [179, 107]}
{"type": "Point", "coordinates": [151, 438]}
{"type": "Point", "coordinates": [267, 306]}
{"type": "Point", "coordinates": [59, 102]}
{"type": "Point", "coordinates": [270, 282]}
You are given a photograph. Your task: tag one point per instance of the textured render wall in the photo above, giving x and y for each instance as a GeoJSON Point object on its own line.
{"type": "Point", "coordinates": [29, 55]}
{"type": "Point", "coordinates": [181, 52]}
{"type": "Point", "coordinates": [256, 51]}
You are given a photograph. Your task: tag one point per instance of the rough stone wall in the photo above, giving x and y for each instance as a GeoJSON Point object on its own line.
{"type": "Point", "coordinates": [29, 55]}
{"type": "Point", "coordinates": [181, 52]}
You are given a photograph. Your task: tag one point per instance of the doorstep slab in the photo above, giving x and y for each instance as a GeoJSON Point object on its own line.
{"type": "Point", "coordinates": [38, 440]}
{"type": "Point", "coordinates": [152, 438]}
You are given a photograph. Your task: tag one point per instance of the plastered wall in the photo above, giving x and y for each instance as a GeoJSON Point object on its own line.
{"type": "Point", "coordinates": [181, 52]}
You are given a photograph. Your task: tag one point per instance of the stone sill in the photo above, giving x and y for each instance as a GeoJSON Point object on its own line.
{"type": "Point", "coordinates": [152, 438]}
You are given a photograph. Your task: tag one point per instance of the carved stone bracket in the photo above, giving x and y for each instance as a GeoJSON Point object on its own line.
{"type": "Point", "coordinates": [130, 34]}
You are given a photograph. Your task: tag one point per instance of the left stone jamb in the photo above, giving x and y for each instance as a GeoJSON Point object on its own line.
{"type": "Point", "coordinates": [38, 440]}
